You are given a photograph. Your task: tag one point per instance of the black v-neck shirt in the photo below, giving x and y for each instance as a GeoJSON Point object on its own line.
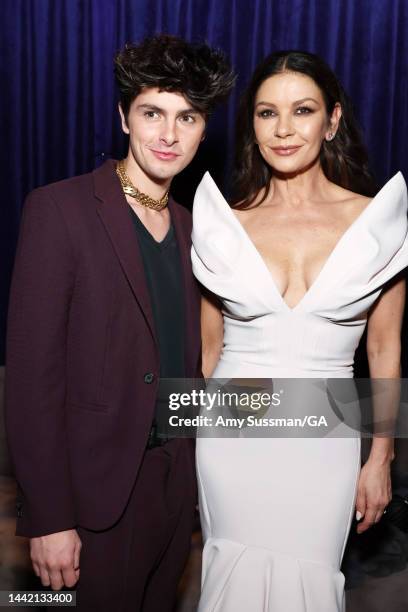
{"type": "Point", "coordinates": [162, 266]}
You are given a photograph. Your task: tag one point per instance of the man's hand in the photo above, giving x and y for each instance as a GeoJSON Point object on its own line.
{"type": "Point", "coordinates": [55, 558]}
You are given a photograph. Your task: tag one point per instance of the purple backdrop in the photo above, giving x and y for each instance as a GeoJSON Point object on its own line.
{"type": "Point", "coordinates": [58, 106]}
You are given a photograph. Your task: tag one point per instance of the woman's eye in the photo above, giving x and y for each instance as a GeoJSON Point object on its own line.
{"type": "Point", "coordinates": [264, 114]}
{"type": "Point", "coordinates": [303, 110]}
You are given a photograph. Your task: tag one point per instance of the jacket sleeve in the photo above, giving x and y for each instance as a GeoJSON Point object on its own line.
{"type": "Point", "coordinates": [35, 388]}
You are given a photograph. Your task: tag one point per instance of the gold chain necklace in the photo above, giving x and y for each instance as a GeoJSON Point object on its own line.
{"type": "Point", "coordinates": [133, 192]}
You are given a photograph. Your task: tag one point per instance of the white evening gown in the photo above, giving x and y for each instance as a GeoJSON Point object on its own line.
{"type": "Point", "coordinates": [276, 512]}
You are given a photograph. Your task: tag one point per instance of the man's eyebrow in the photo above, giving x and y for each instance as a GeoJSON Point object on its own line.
{"type": "Point", "coordinates": [190, 111]}
{"type": "Point", "coordinates": [153, 107]}
{"type": "Point", "coordinates": [150, 107]}
{"type": "Point", "coordinates": [293, 103]}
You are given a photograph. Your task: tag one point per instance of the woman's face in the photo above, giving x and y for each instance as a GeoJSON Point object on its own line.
{"type": "Point", "coordinates": [291, 121]}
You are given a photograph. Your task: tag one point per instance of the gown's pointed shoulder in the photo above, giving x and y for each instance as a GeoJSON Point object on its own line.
{"type": "Point", "coordinates": [394, 189]}
{"type": "Point", "coordinates": [214, 237]}
{"type": "Point", "coordinates": [399, 179]}
{"type": "Point", "coordinates": [395, 179]}
{"type": "Point", "coordinates": [377, 245]}
{"type": "Point", "coordinates": [211, 210]}
{"type": "Point", "coordinates": [208, 193]}
{"type": "Point", "coordinates": [208, 180]}
{"type": "Point", "coordinates": [401, 187]}
{"type": "Point", "coordinates": [397, 182]}
{"type": "Point", "coordinates": [388, 207]}
{"type": "Point", "coordinates": [206, 184]}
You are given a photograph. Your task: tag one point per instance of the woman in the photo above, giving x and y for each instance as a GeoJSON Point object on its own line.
{"type": "Point", "coordinates": [296, 268]}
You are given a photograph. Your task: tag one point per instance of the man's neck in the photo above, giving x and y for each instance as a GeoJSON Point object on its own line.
{"type": "Point", "coordinates": [154, 188]}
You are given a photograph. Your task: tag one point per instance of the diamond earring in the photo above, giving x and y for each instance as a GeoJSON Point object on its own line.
{"type": "Point", "coordinates": [330, 136]}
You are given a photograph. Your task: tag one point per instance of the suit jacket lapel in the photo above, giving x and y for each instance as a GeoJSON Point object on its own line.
{"type": "Point", "coordinates": [113, 210]}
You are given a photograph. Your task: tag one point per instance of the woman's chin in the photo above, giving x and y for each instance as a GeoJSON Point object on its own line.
{"type": "Point", "coordinates": [290, 166]}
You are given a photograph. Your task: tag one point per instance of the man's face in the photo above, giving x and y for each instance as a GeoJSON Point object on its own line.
{"type": "Point", "coordinates": [164, 133]}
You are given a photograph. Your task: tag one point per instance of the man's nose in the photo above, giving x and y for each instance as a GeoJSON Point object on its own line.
{"type": "Point", "coordinates": [168, 134]}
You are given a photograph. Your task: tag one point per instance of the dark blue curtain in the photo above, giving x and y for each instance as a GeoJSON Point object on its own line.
{"type": "Point", "coordinates": [58, 105]}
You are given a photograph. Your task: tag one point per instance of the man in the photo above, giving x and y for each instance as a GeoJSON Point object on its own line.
{"type": "Point", "coordinates": [103, 302]}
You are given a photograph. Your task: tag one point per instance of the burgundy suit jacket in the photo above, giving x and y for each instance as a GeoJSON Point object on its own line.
{"type": "Point", "coordinates": [80, 343]}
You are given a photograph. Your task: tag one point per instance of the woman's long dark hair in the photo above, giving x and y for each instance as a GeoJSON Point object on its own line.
{"type": "Point", "coordinates": [344, 159]}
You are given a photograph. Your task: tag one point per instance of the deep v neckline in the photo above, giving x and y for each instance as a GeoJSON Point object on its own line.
{"type": "Point", "coordinates": [326, 264]}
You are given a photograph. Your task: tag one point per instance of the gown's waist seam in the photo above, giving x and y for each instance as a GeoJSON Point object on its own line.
{"type": "Point", "coordinates": [273, 553]}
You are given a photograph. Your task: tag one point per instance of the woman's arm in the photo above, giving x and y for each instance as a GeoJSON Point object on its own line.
{"type": "Point", "coordinates": [212, 332]}
{"type": "Point", "coordinates": [384, 356]}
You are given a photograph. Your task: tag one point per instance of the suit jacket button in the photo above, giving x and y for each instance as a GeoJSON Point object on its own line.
{"type": "Point", "coordinates": [149, 378]}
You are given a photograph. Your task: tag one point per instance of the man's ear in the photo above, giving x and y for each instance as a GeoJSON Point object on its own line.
{"type": "Point", "coordinates": [125, 127]}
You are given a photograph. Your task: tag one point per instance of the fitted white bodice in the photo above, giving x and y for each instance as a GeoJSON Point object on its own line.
{"type": "Point", "coordinates": [319, 336]}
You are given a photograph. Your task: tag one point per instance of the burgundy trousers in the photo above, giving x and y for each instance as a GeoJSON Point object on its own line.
{"type": "Point", "coordinates": [137, 563]}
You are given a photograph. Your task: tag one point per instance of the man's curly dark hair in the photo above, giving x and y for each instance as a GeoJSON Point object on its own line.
{"type": "Point", "coordinates": [202, 74]}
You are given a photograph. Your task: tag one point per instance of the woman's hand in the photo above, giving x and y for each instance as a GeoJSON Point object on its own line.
{"type": "Point", "coordinates": [374, 492]}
